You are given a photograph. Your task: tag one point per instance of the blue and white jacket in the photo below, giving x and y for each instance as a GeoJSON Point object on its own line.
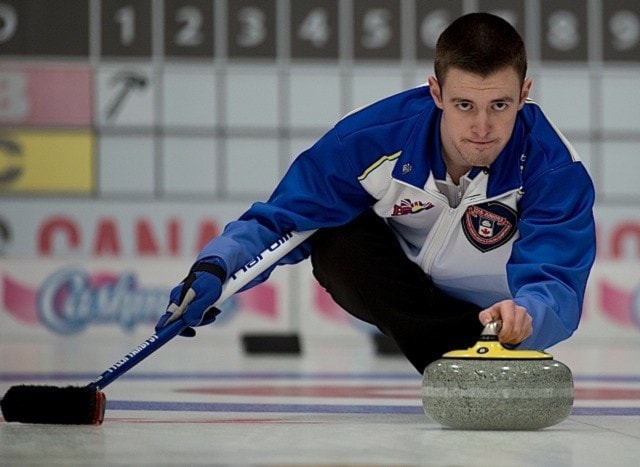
{"type": "Point", "coordinates": [524, 228]}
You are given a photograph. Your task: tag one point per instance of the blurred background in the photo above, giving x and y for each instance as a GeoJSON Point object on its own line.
{"type": "Point", "coordinates": [132, 131]}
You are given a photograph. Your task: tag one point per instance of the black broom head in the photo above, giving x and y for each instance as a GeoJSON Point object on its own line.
{"type": "Point", "coordinates": [54, 405]}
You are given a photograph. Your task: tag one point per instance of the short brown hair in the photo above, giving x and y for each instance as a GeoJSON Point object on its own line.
{"type": "Point", "coordinates": [480, 43]}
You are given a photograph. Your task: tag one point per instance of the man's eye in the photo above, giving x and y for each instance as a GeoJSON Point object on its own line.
{"type": "Point", "coordinates": [464, 105]}
{"type": "Point", "coordinates": [500, 105]}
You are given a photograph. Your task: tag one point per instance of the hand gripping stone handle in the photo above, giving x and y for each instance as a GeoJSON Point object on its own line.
{"type": "Point", "coordinates": [236, 281]}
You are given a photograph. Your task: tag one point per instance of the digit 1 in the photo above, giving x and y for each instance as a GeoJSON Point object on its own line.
{"type": "Point", "coordinates": [126, 18]}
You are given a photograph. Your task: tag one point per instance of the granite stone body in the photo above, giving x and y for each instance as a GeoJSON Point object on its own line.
{"type": "Point", "coordinates": [497, 394]}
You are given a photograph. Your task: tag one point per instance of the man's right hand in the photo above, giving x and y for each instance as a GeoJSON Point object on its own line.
{"type": "Point", "coordinates": [516, 322]}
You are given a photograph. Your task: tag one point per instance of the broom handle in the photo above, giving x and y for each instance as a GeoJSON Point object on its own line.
{"type": "Point", "coordinates": [276, 251]}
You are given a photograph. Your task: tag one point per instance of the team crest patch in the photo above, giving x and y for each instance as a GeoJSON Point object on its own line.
{"type": "Point", "coordinates": [407, 206]}
{"type": "Point", "coordinates": [489, 225]}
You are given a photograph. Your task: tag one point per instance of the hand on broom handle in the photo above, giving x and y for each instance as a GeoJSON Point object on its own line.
{"type": "Point", "coordinates": [235, 282]}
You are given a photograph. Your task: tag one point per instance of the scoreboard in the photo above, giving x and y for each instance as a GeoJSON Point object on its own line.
{"type": "Point", "coordinates": [328, 30]}
{"type": "Point", "coordinates": [211, 99]}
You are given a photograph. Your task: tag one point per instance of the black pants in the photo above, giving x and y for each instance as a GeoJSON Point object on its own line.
{"type": "Point", "coordinates": [364, 269]}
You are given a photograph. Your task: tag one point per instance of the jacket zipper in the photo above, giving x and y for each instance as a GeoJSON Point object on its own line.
{"type": "Point", "coordinates": [441, 235]}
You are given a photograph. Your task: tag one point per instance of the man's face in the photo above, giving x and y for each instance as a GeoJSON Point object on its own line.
{"type": "Point", "coordinates": [478, 115]}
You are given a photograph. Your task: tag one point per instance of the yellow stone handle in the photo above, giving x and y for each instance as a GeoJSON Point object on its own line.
{"type": "Point", "coordinates": [490, 347]}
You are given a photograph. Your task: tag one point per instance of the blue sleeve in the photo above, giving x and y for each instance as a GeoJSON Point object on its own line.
{"type": "Point", "coordinates": [320, 189]}
{"type": "Point", "coordinates": [551, 260]}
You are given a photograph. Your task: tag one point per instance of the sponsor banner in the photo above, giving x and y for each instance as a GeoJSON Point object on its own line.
{"type": "Point", "coordinates": [46, 162]}
{"type": "Point", "coordinates": [56, 299]}
{"type": "Point", "coordinates": [612, 307]}
{"type": "Point", "coordinates": [618, 232]}
{"type": "Point", "coordinates": [45, 95]}
{"type": "Point", "coordinates": [74, 299]}
{"type": "Point", "coordinates": [90, 228]}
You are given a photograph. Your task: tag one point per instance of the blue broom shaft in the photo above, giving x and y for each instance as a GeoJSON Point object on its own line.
{"type": "Point", "coordinates": [235, 282]}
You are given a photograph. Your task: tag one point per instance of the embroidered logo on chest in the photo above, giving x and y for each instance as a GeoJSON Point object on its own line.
{"type": "Point", "coordinates": [407, 206]}
{"type": "Point", "coordinates": [489, 225]}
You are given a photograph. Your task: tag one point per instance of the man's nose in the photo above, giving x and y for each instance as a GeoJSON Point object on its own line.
{"type": "Point", "coordinates": [482, 124]}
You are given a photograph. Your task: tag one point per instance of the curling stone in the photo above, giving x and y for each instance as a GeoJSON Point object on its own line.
{"type": "Point", "coordinates": [489, 387]}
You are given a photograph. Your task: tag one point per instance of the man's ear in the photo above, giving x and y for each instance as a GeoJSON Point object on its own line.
{"type": "Point", "coordinates": [524, 92]}
{"type": "Point", "coordinates": [436, 92]}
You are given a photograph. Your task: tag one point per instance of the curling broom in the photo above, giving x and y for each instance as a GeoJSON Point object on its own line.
{"type": "Point", "coordinates": [86, 405]}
